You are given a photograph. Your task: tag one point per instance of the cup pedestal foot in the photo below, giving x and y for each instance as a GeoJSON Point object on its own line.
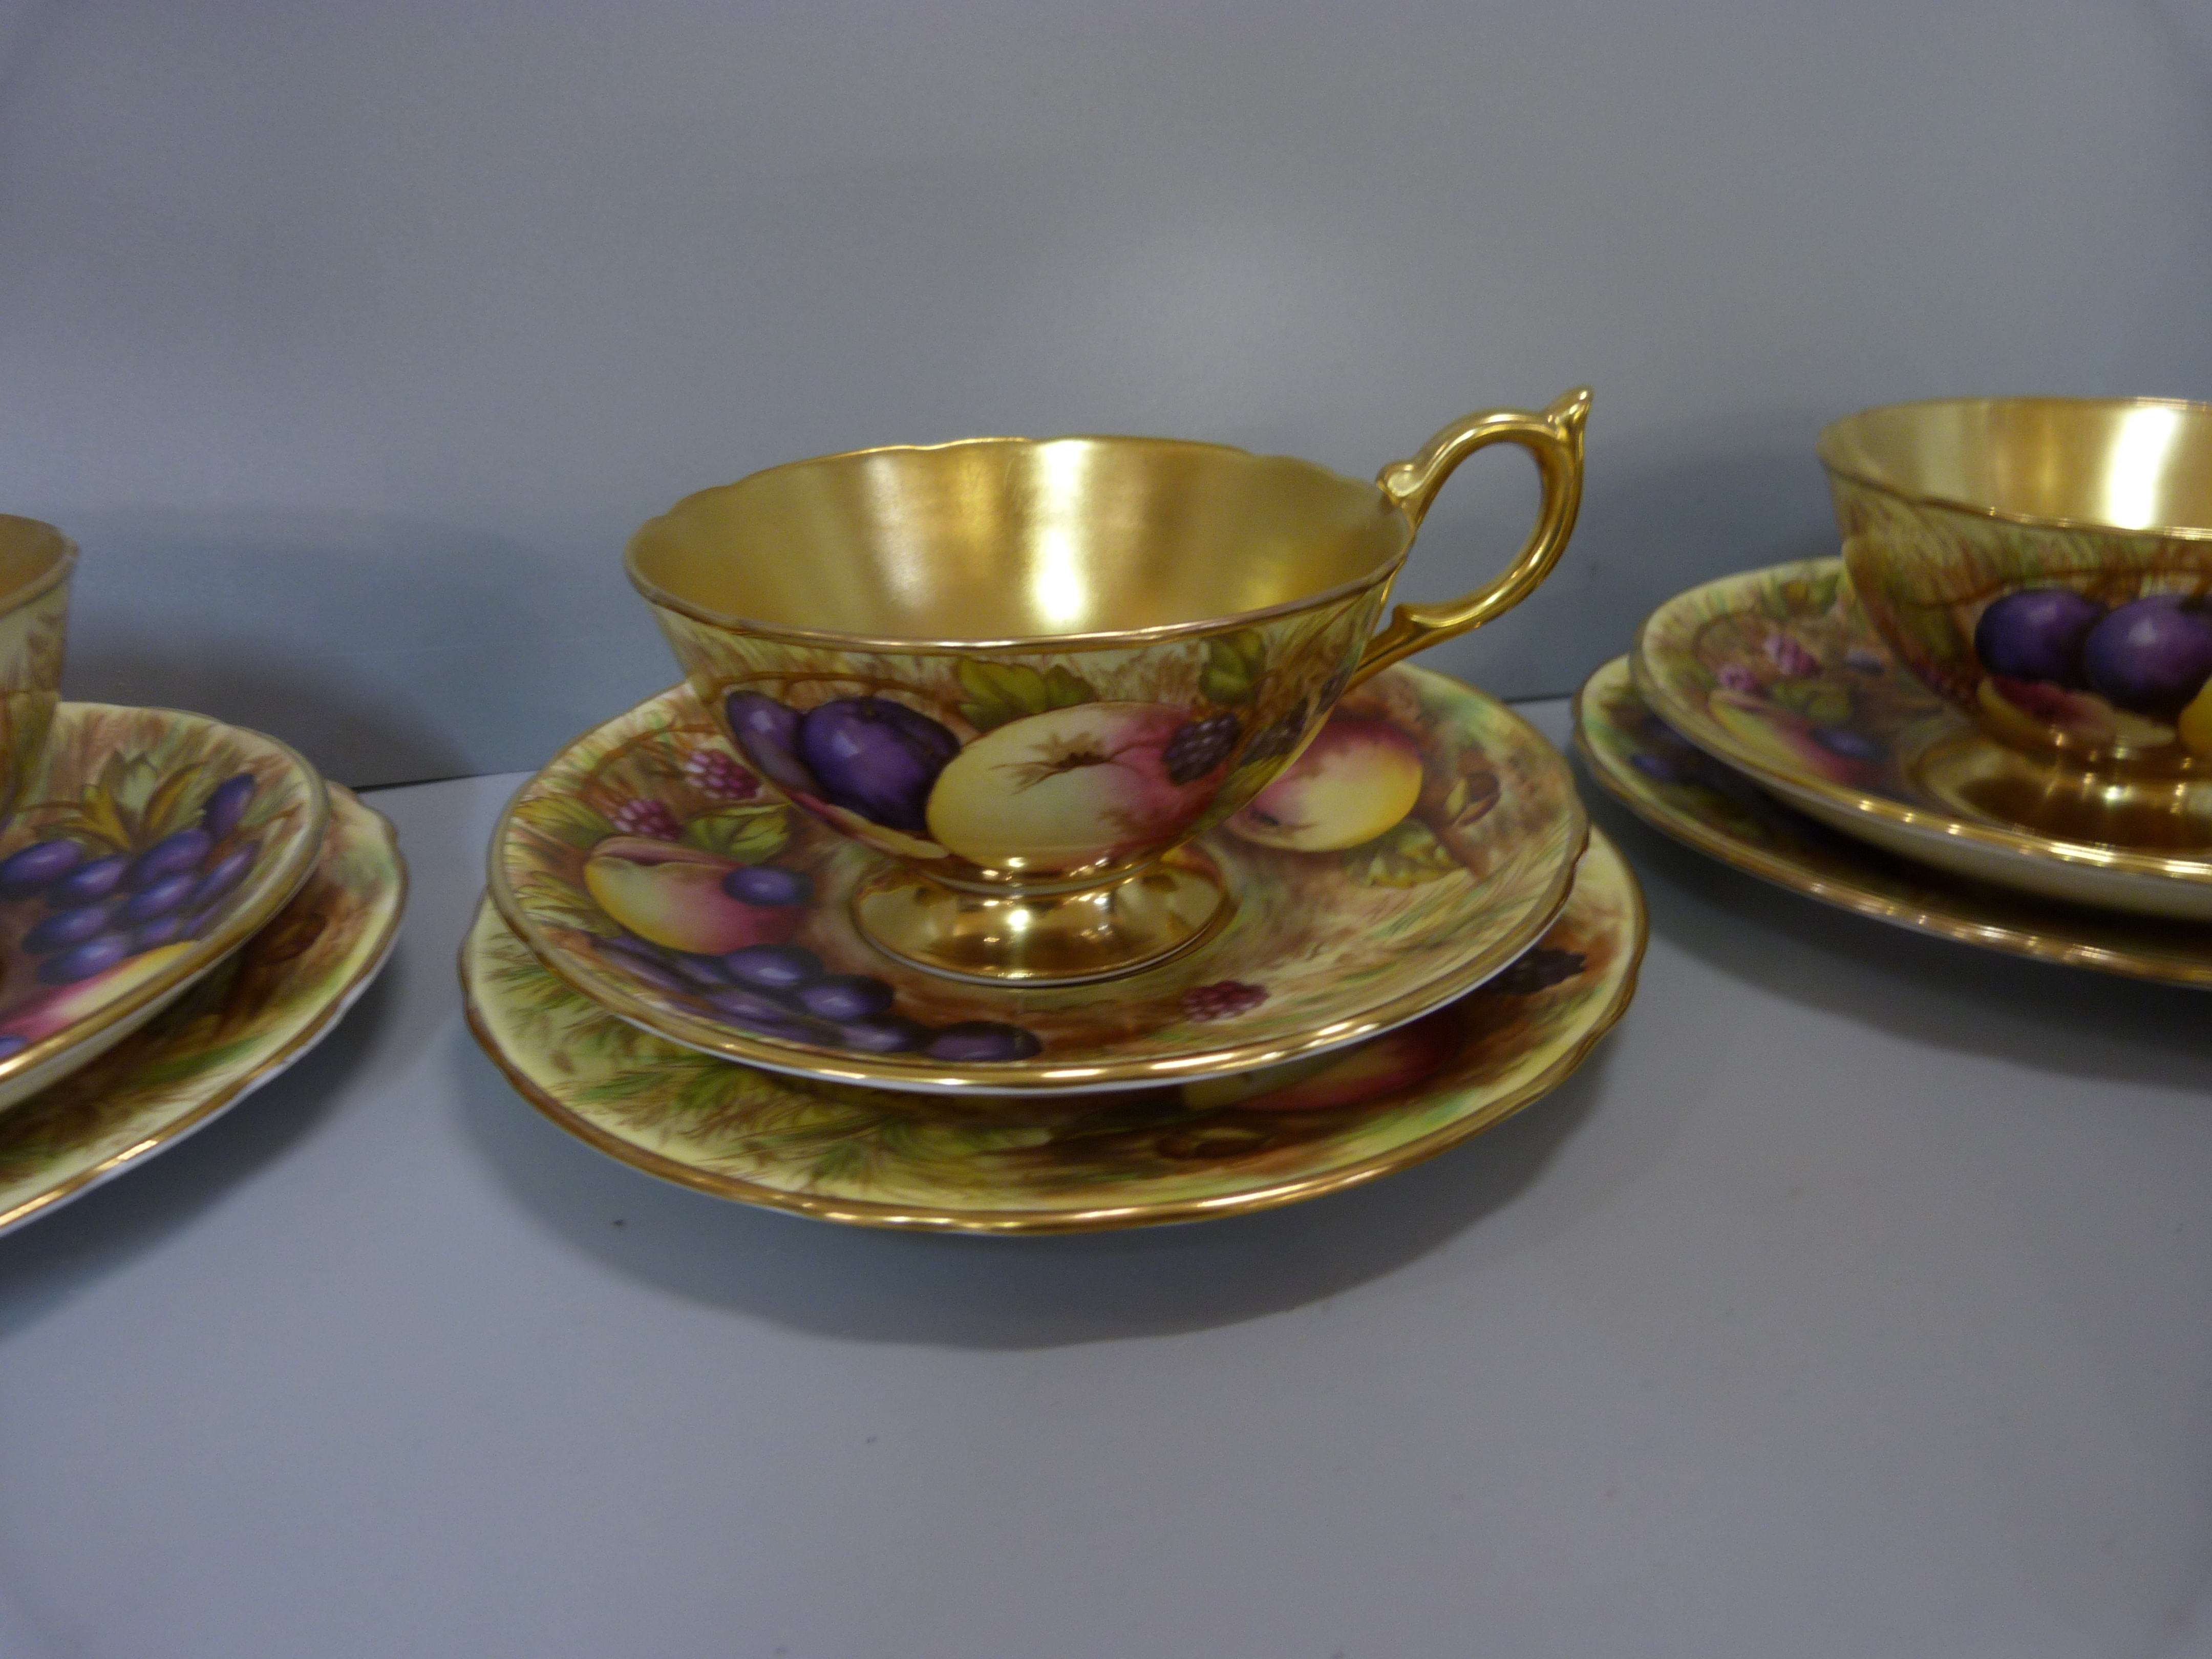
{"type": "Point", "coordinates": [1981, 778]}
{"type": "Point", "coordinates": [1058, 938]}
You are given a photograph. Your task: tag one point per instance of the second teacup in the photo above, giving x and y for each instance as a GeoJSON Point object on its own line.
{"type": "Point", "coordinates": [35, 564]}
{"type": "Point", "coordinates": [1031, 671]}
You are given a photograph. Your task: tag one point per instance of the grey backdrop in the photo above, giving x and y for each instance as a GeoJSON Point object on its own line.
{"type": "Point", "coordinates": [350, 339]}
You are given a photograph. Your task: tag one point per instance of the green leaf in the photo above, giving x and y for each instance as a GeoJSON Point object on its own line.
{"type": "Point", "coordinates": [565, 818]}
{"type": "Point", "coordinates": [1233, 663]}
{"type": "Point", "coordinates": [1404, 856]}
{"type": "Point", "coordinates": [750, 833]}
{"type": "Point", "coordinates": [1816, 700]}
{"type": "Point", "coordinates": [998, 692]}
{"type": "Point", "coordinates": [548, 898]}
{"type": "Point", "coordinates": [175, 802]}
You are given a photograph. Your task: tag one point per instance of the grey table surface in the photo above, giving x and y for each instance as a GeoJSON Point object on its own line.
{"type": "Point", "coordinates": [1852, 1301]}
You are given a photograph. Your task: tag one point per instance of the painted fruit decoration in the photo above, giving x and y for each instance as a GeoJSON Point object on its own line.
{"type": "Point", "coordinates": [2139, 673]}
{"type": "Point", "coordinates": [121, 883]}
{"type": "Point", "coordinates": [1356, 779]}
{"type": "Point", "coordinates": [688, 900]}
{"type": "Point", "coordinates": [1080, 785]}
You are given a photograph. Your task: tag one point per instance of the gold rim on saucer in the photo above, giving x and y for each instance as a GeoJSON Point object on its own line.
{"type": "Point", "coordinates": [1776, 672]}
{"type": "Point", "coordinates": [238, 1028]}
{"type": "Point", "coordinates": [1677, 789]}
{"type": "Point", "coordinates": [1015, 1165]}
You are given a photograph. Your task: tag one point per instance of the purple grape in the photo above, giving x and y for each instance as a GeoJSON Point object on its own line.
{"type": "Point", "coordinates": [226, 805]}
{"type": "Point", "coordinates": [166, 857]}
{"type": "Point", "coordinates": [891, 1034]}
{"type": "Point", "coordinates": [642, 961]}
{"type": "Point", "coordinates": [983, 1039]}
{"type": "Point", "coordinates": [876, 757]}
{"type": "Point", "coordinates": [763, 1015]}
{"type": "Point", "coordinates": [845, 997]}
{"type": "Point", "coordinates": [163, 930]}
{"type": "Point", "coordinates": [2037, 634]}
{"type": "Point", "coordinates": [67, 927]}
{"type": "Point", "coordinates": [774, 966]}
{"type": "Point", "coordinates": [227, 872]}
{"type": "Point", "coordinates": [163, 897]}
{"type": "Point", "coordinates": [88, 883]}
{"type": "Point", "coordinates": [708, 973]}
{"type": "Point", "coordinates": [11, 1045]}
{"type": "Point", "coordinates": [1851, 746]}
{"type": "Point", "coordinates": [83, 961]}
{"type": "Point", "coordinates": [766, 883]}
{"type": "Point", "coordinates": [768, 736]}
{"type": "Point", "coordinates": [1656, 766]}
{"type": "Point", "coordinates": [2151, 656]}
{"type": "Point", "coordinates": [23, 873]}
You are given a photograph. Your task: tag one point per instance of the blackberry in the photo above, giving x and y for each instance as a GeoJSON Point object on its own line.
{"type": "Point", "coordinates": [1199, 747]}
{"type": "Point", "coordinates": [1278, 738]}
{"type": "Point", "coordinates": [647, 818]}
{"type": "Point", "coordinates": [1222, 999]}
{"type": "Point", "coordinates": [714, 773]}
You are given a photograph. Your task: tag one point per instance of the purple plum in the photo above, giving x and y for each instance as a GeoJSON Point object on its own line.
{"type": "Point", "coordinates": [2037, 634]}
{"type": "Point", "coordinates": [2152, 656]}
{"type": "Point", "coordinates": [888, 1034]}
{"type": "Point", "coordinates": [774, 966]}
{"type": "Point", "coordinates": [766, 734]}
{"type": "Point", "coordinates": [876, 757]}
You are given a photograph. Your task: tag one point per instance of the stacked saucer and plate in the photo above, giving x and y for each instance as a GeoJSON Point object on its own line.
{"type": "Point", "coordinates": [1989, 720]}
{"type": "Point", "coordinates": [186, 908]}
{"type": "Point", "coordinates": [1043, 839]}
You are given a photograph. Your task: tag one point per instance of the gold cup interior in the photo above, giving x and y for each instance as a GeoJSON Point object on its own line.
{"type": "Point", "coordinates": [2137, 464]}
{"type": "Point", "coordinates": [1000, 540]}
{"type": "Point", "coordinates": [32, 556]}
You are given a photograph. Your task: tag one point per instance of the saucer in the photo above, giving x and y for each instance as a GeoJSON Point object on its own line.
{"type": "Point", "coordinates": [1325, 947]}
{"type": "Point", "coordinates": [260, 1010]}
{"type": "Point", "coordinates": [1680, 790]}
{"type": "Point", "coordinates": [152, 844]}
{"type": "Point", "coordinates": [1776, 672]}
{"type": "Point", "coordinates": [1032, 1163]}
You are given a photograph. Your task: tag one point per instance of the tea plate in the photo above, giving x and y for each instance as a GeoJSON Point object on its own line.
{"type": "Point", "coordinates": [1778, 673]}
{"type": "Point", "coordinates": [1680, 790]}
{"type": "Point", "coordinates": [1324, 949]}
{"type": "Point", "coordinates": [1033, 1164]}
{"type": "Point", "coordinates": [149, 844]}
{"type": "Point", "coordinates": [260, 1010]}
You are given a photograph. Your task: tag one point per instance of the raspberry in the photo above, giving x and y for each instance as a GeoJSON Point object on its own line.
{"type": "Point", "coordinates": [714, 773]}
{"type": "Point", "coordinates": [1199, 747]}
{"type": "Point", "coordinates": [1538, 971]}
{"type": "Point", "coordinates": [647, 817]}
{"type": "Point", "coordinates": [1222, 999]}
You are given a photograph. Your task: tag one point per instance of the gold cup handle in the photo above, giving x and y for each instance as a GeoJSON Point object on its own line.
{"type": "Point", "coordinates": [1555, 439]}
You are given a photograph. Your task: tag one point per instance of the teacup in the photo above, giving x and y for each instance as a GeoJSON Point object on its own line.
{"type": "Point", "coordinates": [35, 564]}
{"type": "Point", "coordinates": [1029, 671]}
{"type": "Point", "coordinates": [2045, 563]}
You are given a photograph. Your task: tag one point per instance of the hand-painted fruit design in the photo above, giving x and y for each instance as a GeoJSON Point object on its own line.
{"type": "Point", "coordinates": [1078, 786]}
{"type": "Point", "coordinates": [2137, 675]}
{"type": "Point", "coordinates": [718, 932]}
{"type": "Point", "coordinates": [1384, 1066]}
{"type": "Point", "coordinates": [689, 900]}
{"type": "Point", "coordinates": [1356, 778]}
{"type": "Point", "coordinates": [866, 764]}
{"type": "Point", "coordinates": [1790, 742]}
{"type": "Point", "coordinates": [106, 899]}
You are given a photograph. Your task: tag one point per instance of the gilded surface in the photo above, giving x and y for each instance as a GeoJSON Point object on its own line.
{"type": "Point", "coordinates": [1066, 1162]}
